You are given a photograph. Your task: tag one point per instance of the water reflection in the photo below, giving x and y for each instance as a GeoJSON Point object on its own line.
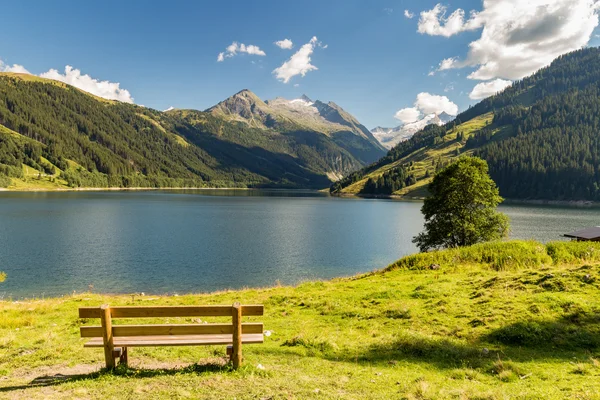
{"type": "Point", "coordinates": [192, 241]}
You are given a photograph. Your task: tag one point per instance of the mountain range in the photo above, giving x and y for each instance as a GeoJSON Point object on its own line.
{"type": "Point", "coordinates": [53, 135]}
{"type": "Point", "coordinates": [540, 137]}
{"type": "Point", "coordinates": [390, 137]}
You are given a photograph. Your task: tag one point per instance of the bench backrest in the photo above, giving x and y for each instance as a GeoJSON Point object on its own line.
{"type": "Point", "coordinates": [107, 313]}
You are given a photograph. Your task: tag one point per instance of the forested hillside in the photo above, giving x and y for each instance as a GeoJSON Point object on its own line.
{"type": "Point", "coordinates": [53, 135]}
{"type": "Point", "coordinates": [541, 138]}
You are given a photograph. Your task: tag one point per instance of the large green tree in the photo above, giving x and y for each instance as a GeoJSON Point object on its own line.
{"type": "Point", "coordinates": [461, 210]}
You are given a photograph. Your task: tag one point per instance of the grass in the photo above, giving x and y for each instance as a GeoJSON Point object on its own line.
{"type": "Point", "coordinates": [496, 321]}
{"type": "Point", "coordinates": [176, 138]}
{"type": "Point", "coordinates": [32, 183]}
{"type": "Point", "coordinates": [32, 180]}
{"type": "Point", "coordinates": [4, 130]}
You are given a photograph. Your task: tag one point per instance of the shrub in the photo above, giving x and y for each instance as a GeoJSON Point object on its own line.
{"type": "Point", "coordinates": [496, 255]}
{"type": "Point", "coordinates": [573, 252]}
{"type": "Point", "coordinates": [5, 181]}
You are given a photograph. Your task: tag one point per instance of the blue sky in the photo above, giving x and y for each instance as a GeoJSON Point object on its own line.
{"type": "Point", "coordinates": [370, 57]}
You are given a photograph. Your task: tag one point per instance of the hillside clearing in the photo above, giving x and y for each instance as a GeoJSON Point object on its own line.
{"type": "Point", "coordinates": [425, 159]}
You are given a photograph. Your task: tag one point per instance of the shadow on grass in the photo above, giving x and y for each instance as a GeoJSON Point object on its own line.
{"type": "Point", "coordinates": [443, 353]}
{"type": "Point", "coordinates": [123, 371]}
{"type": "Point", "coordinates": [576, 330]}
{"type": "Point", "coordinates": [52, 380]}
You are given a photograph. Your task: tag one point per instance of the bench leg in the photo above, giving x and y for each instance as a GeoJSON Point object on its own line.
{"type": "Point", "coordinates": [230, 353]}
{"type": "Point", "coordinates": [107, 336]}
{"type": "Point", "coordinates": [236, 356]}
{"type": "Point", "coordinates": [123, 357]}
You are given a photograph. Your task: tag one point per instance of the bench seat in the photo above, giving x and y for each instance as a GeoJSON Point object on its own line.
{"type": "Point", "coordinates": [115, 340]}
{"type": "Point", "coordinates": [175, 340]}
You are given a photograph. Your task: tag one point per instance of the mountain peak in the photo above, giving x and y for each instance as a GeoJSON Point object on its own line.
{"type": "Point", "coordinates": [445, 117]}
{"type": "Point", "coordinates": [390, 137]}
{"type": "Point", "coordinates": [380, 129]}
{"type": "Point", "coordinates": [302, 112]}
{"type": "Point", "coordinates": [245, 93]}
{"type": "Point", "coordinates": [244, 105]}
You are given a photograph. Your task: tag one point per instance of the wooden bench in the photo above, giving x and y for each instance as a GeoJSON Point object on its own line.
{"type": "Point", "coordinates": [115, 339]}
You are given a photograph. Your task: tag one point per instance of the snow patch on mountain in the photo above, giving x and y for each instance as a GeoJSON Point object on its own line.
{"type": "Point", "coordinates": [390, 137]}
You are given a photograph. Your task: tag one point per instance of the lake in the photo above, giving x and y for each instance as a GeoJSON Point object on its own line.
{"type": "Point", "coordinates": [195, 241]}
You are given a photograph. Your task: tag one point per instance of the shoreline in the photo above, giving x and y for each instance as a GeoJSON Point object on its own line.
{"type": "Point", "coordinates": [116, 189]}
{"type": "Point", "coordinates": [571, 203]}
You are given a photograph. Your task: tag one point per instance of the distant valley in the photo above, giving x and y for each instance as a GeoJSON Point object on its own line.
{"type": "Point", "coordinates": [539, 137]}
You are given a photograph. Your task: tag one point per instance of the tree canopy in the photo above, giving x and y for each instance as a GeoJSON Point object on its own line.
{"type": "Point", "coordinates": [461, 210]}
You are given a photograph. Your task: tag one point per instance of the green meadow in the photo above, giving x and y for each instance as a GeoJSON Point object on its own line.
{"type": "Point", "coordinates": [507, 320]}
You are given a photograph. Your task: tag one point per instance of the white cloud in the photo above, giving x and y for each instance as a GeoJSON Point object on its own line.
{"type": "Point", "coordinates": [296, 85]}
{"type": "Point", "coordinates": [73, 76]}
{"type": "Point", "coordinates": [434, 22]}
{"type": "Point", "coordinates": [252, 49]}
{"type": "Point", "coordinates": [235, 48]}
{"type": "Point", "coordinates": [447, 63]}
{"type": "Point", "coordinates": [449, 87]}
{"type": "Point", "coordinates": [424, 105]}
{"type": "Point", "coordinates": [299, 63]}
{"type": "Point", "coordinates": [169, 109]}
{"type": "Point", "coordinates": [388, 11]}
{"type": "Point", "coordinates": [13, 68]}
{"type": "Point", "coordinates": [433, 104]}
{"type": "Point", "coordinates": [518, 37]}
{"type": "Point", "coordinates": [486, 89]}
{"type": "Point", "coordinates": [104, 89]}
{"type": "Point", "coordinates": [408, 115]}
{"type": "Point", "coordinates": [284, 44]}
{"type": "Point", "coordinates": [408, 14]}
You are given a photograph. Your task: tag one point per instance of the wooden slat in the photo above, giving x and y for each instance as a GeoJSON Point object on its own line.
{"type": "Point", "coordinates": [173, 329]}
{"type": "Point", "coordinates": [170, 311]}
{"type": "Point", "coordinates": [186, 340]}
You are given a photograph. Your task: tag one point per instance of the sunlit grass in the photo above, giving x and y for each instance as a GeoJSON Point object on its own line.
{"type": "Point", "coordinates": [499, 320]}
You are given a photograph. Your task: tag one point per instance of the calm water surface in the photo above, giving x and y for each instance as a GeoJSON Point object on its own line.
{"type": "Point", "coordinates": [193, 241]}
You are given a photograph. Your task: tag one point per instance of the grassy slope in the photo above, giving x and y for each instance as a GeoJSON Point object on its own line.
{"type": "Point", "coordinates": [178, 139]}
{"type": "Point", "coordinates": [31, 179]}
{"type": "Point", "coordinates": [496, 321]}
{"type": "Point", "coordinates": [425, 158]}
